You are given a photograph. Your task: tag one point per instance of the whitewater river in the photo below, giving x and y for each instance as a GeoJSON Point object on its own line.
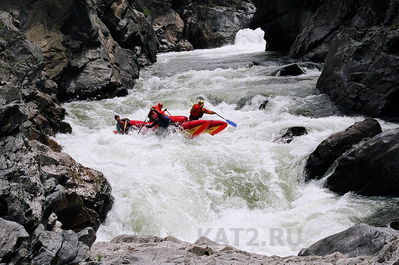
{"type": "Point", "coordinates": [239, 187]}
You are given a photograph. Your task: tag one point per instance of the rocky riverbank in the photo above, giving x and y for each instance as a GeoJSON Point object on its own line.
{"type": "Point", "coordinates": [360, 244]}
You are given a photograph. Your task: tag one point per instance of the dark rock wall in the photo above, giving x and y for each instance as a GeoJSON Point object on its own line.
{"type": "Point", "coordinates": [91, 49]}
{"type": "Point", "coordinates": [283, 20]}
{"type": "Point", "coordinates": [356, 39]}
{"type": "Point", "coordinates": [361, 73]}
{"type": "Point", "coordinates": [50, 205]}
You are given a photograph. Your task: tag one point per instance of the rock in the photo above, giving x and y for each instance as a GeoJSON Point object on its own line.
{"type": "Point", "coordinates": [335, 145]}
{"type": "Point", "coordinates": [155, 250]}
{"type": "Point", "coordinates": [360, 74]}
{"type": "Point", "coordinates": [287, 135]}
{"type": "Point", "coordinates": [215, 26]}
{"type": "Point", "coordinates": [89, 49]}
{"type": "Point", "coordinates": [371, 169]}
{"type": "Point", "coordinates": [358, 240]}
{"type": "Point", "coordinates": [12, 234]}
{"type": "Point", "coordinates": [394, 224]}
{"type": "Point", "coordinates": [11, 116]}
{"type": "Point", "coordinates": [87, 236]}
{"type": "Point", "coordinates": [58, 248]}
{"type": "Point", "coordinates": [289, 70]}
{"type": "Point", "coordinates": [282, 21]}
{"type": "Point", "coordinates": [263, 105]}
{"type": "Point", "coordinates": [389, 255]}
{"type": "Point", "coordinates": [39, 185]}
{"type": "Point", "coordinates": [169, 28]}
{"type": "Point", "coordinates": [243, 101]}
{"type": "Point", "coordinates": [184, 45]}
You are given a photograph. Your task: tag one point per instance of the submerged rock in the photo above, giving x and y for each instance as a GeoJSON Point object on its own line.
{"type": "Point", "coordinates": [372, 169]}
{"type": "Point", "coordinates": [289, 70]}
{"type": "Point", "coordinates": [288, 135]}
{"type": "Point", "coordinates": [335, 145]}
{"type": "Point", "coordinates": [263, 105]}
{"type": "Point", "coordinates": [359, 240]}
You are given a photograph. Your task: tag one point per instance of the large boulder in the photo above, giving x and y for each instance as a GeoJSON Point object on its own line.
{"type": "Point", "coordinates": [359, 240]}
{"type": "Point", "coordinates": [372, 169]}
{"type": "Point", "coordinates": [335, 145]}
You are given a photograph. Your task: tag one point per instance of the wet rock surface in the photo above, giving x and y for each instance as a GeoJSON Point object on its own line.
{"type": "Point", "coordinates": [334, 146]}
{"type": "Point", "coordinates": [359, 240]}
{"type": "Point", "coordinates": [289, 70]}
{"type": "Point", "coordinates": [371, 169]}
{"type": "Point", "coordinates": [288, 135]}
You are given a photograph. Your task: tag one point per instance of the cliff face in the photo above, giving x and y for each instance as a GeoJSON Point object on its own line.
{"type": "Point", "coordinates": [91, 49]}
{"type": "Point", "coordinates": [50, 205]}
{"type": "Point", "coordinates": [50, 51]}
{"type": "Point", "coordinates": [186, 24]}
{"type": "Point", "coordinates": [358, 41]}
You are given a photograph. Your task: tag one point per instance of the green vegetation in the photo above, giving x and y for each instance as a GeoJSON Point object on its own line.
{"type": "Point", "coordinates": [147, 12]}
{"type": "Point", "coordinates": [395, 26]}
{"type": "Point", "coordinates": [2, 25]}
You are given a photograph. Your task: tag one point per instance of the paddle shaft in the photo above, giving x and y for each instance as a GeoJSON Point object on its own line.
{"type": "Point", "coordinates": [228, 121]}
{"type": "Point", "coordinates": [221, 116]}
{"type": "Point", "coordinates": [143, 122]}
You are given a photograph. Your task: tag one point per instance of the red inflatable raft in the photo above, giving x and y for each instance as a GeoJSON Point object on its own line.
{"type": "Point", "coordinates": [192, 128]}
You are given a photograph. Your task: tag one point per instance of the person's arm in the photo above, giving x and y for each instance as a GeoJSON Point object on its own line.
{"type": "Point", "coordinates": [124, 127]}
{"type": "Point", "coordinates": [118, 128]}
{"type": "Point", "coordinates": [151, 125]}
{"type": "Point", "coordinates": [207, 111]}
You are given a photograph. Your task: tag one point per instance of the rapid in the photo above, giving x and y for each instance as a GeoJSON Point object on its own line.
{"type": "Point", "coordinates": [239, 187]}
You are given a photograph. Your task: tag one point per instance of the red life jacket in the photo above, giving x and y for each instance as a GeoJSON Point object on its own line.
{"type": "Point", "coordinates": [197, 111]}
{"type": "Point", "coordinates": [159, 108]}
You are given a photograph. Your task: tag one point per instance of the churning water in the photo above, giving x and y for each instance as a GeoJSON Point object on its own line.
{"type": "Point", "coordinates": [239, 187]}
